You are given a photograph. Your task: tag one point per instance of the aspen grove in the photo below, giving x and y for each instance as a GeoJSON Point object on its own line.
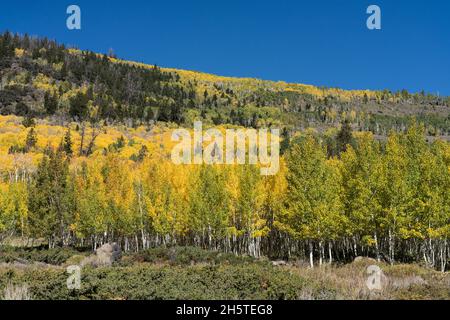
{"type": "Point", "coordinates": [386, 199]}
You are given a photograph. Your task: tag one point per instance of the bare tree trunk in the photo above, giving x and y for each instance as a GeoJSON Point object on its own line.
{"type": "Point", "coordinates": [320, 253]}
{"type": "Point", "coordinates": [330, 255]}
{"type": "Point", "coordinates": [96, 130]}
{"type": "Point", "coordinates": [391, 247]}
{"type": "Point", "coordinates": [83, 133]}
{"type": "Point", "coordinates": [377, 248]}
{"type": "Point", "coordinates": [443, 255]}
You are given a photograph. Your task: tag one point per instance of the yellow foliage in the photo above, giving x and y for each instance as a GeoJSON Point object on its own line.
{"type": "Point", "coordinates": [19, 52]}
{"type": "Point", "coordinates": [44, 83]}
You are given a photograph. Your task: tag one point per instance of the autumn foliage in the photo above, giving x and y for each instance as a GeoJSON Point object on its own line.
{"type": "Point", "coordinates": [386, 199]}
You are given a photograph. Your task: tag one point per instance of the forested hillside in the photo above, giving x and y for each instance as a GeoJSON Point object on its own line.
{"type": "Point", "coordinates": [85, 159]}
{"type": "Point", "coordinates": [40, 77]}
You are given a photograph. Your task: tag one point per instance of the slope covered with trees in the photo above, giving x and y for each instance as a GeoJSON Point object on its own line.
{"type": "Point", "coordinates": [85, 159]}
{"type": "Point", "coordinates": [385, 199]}
{"type": "Point", "coordinates": [40, 77]}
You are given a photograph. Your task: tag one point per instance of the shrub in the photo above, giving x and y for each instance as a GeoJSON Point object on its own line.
{"type": "Point", "coordinates": [144, 281]}
{"type": "Point", "coordinates": [186, 256]}
{"type": "Point", "coordinates": [56, 256]}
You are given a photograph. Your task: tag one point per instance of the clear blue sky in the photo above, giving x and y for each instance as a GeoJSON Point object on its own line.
{"type": "Point", "coordinates": [321, 42]}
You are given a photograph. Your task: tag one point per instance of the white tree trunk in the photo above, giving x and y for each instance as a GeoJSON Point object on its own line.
{"type": "Point", "coordinates": [330, 255]}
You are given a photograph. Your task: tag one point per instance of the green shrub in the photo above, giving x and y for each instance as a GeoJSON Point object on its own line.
{"type": "Point", "coordinates": [56, 256]}
{"type": "Point", "coordinates": [186, 256]}
{"type": "Point", "coordinates": [145, 281]}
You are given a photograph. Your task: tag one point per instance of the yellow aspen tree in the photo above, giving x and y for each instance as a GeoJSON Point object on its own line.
{"type": "Point", "coordinates": [311, 194]}
{"type": "Point", "coordinates": [362, 175]}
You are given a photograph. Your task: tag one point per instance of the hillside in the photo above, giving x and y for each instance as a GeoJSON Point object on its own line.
{"type": "Point", "coordinates": [41, 78]}
{"type": "Point", "coordinates": [85, 145]}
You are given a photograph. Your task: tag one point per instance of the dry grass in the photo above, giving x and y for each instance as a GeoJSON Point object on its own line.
{"type": "Point", "coordinates": [397, 282]}
{"type": "Point", "coordinates": [16, 292]}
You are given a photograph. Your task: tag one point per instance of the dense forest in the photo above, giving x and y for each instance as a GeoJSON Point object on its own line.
{"type": "Point", "coordinates": [85, 160]}
{"type": "Point", "coordinates": [385, 199]}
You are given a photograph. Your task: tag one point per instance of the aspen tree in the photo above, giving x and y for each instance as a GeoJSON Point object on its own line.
{"type": "Point", "coordinates": [311, 195]}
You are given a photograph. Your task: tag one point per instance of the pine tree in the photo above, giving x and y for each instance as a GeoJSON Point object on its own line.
{"type": "Point", "coordinates": [50, 103]}
{"type": "Point", "coordinates": [344, 137]}
{"type": "Point", "coordinates": [67, 144]}
{"type": "Point", "coordinates": [31, 140]}
{"type": "Point", "coordinates": [49, 200]}
{"type": "Point", "coordinates": [22, 109]}
{"type": "Point", "coordinates": [79, 107]}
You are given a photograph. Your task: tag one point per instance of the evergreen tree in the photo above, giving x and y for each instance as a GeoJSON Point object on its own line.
{"type": "Point", "coordinates": [31, 140]}
{"type": "Point", "coordinates": [49, 200]}
{"type": "Point", "coordinates": [50, 103]}
{"type": "Point", "coordinates": [22, 109]}
{"type": "Point", "coordinates": [344, 137]}
{"type": "Point", "coordinates": [67, 144]}
{"type": "Point", "coordinates": [78, 107]}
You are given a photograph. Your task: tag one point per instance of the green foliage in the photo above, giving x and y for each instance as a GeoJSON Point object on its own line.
{"type": "Point", "coordinates": [51, 103]}
{"type": "Point", "coordinates": [344, 137]}
{"type": "Point", "coordinates": [55, 256]}
{"type": "Point", "coordinates": [67, 144]}
{"type": "Point", "coordinates": [182, 256]}
{"type": "Point", "coordinates": [162, 283]}
{"type": "Point", "coordinates": [210, 196]}
{"type": "Point", "coordinates": [119, 144]}
{"type": "Point", "coordinates": [49, 200]}
{"type": "Point", "coordinates": [28, 122]}
{"type": "Point", "coordinates": [31, 140]}
{"type": "Point", "coordinates": [313, 198]}
{"type": "Point", "coordinates": [140, 156]}
{"type": "Point", "coordinates": [22, 109]}
{"type": "Point", "coordinates": [79, 106]}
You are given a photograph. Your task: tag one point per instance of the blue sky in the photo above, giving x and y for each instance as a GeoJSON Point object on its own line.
{"type": "Point", "coordinates": [321, 42]}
